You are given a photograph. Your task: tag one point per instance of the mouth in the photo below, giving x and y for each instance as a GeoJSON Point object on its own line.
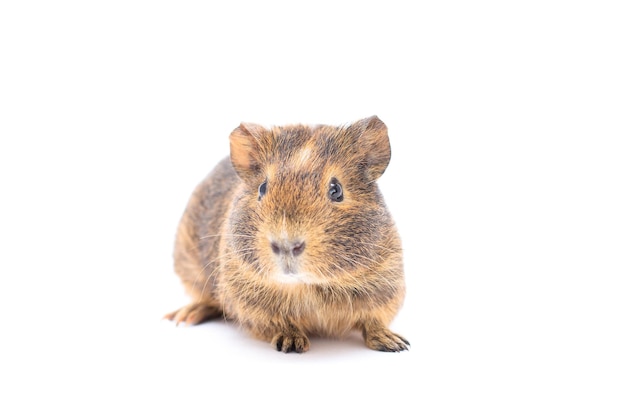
{"type": "Point", "coordinates": [288, 266]}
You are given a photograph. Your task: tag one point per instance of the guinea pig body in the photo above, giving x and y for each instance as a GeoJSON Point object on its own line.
{"type": "Point", "coordinates": [290, 237]}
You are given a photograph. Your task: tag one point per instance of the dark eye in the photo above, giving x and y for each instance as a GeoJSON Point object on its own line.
{"type": "Point", "coordinates": [262, 189]}
{"type": "Point", "coordinates": [335, 191]}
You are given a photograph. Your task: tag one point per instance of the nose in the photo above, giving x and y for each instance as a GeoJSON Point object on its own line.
{"type": "Point", "coordinates": [294, 248]}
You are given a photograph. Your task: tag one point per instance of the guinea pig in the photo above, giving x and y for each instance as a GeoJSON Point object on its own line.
{"type": "Point", "coordinates": [290, 237]}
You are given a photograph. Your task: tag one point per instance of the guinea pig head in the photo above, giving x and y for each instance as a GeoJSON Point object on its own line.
{"type": "Point", "coordinates": [309, 209]}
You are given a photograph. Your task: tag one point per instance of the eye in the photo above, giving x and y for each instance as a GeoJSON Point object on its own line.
{"type": "Point", "coordinates": [335, 191]}
{"type": "Point", "coordinates": [262, 189]}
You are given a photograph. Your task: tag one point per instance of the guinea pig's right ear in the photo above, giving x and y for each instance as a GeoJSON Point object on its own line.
{"type": "Point", "coordinates": [244, 149]}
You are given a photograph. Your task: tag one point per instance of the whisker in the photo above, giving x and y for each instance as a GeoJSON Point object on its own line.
{"type": "Point", "coordinates": [214, 272]}
{"type": "Point", "coordinates": [215, 261]}
{"type": "Point", "coordinates": [226, 235]}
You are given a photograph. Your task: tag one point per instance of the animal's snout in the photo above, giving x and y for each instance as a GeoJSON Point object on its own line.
{"type": "Point", "coordinates": [287, 247]}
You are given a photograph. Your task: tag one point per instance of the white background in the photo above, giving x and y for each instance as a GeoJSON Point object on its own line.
{"type": "Point", "coordinates": [507, 182]}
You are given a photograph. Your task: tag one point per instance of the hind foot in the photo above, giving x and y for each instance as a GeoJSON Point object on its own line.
{"type": "Point", "coordinates": [194, 313]}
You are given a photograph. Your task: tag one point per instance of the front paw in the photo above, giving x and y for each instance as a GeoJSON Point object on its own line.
{"type": "Point", "coordinates": [291, 341]}
{"type": "Point", "coordinates": [382, 339]}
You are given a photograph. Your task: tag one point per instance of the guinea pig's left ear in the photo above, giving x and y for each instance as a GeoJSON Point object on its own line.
{"type": "Point", "coordinates": [244, 149]}
{"type": "Point", "coordinates": [373, 145]}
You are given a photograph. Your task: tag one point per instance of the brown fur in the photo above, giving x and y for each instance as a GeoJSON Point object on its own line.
{"type": "Point", "coordinates": [293, 262]}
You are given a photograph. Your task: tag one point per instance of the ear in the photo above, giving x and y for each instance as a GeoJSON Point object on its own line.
{"type": "Point", "coordinates": [244, 149]}
{"type": "Point", "coordinates": [373, 144]}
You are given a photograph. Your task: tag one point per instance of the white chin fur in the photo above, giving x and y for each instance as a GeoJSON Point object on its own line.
{"type": "Point", "coordinates": [292, 278]}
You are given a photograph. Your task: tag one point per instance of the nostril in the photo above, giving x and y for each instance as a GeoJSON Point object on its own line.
{"type": "Point", "coordinates": [275, 248]}
{"type": "Point", "coordinates": [298, 248]}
